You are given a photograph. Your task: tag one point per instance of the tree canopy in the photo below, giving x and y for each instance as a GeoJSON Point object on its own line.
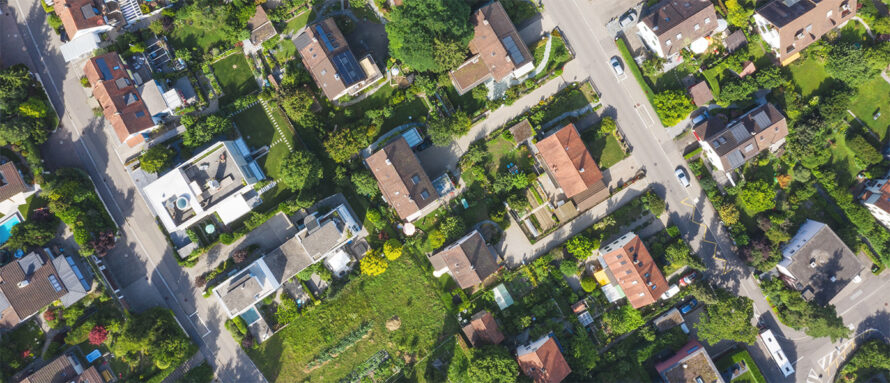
{"type": "Point", "coordinates": [672, 106]}
{"type": "Point", "coordinates": [580, 246]}
{"type": "Point", "coordinates": [492, 364]}
{"type": "Point", "coordinates": [758, 196]}
{"type": "Point", "coordinates": [623, 319]}
{"type": "Point", "coordinates": [728, 319]}
{"type": "Point", "coordinates": [443, 130]}
{"type": "Point", "coordinates": [419, 28]}
{"type": "Point", "coordinates": [300, 170]}
{"type": "Point", "coordinates": [373, 264]}
{"type": "Point", "coordinates": [155, 158]}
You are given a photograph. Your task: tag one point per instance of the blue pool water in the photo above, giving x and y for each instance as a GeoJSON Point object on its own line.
{"type": "Point", "coordinates": [6, 228]}
{"type": "Point", "coordinates": [250, 316]}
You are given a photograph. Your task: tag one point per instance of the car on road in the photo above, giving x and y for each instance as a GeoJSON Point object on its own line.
{"type": "Point", "coordinates": [689, 306]}
{"type": "Point", "coordinates": [616, 65]}
{"type": "Point", "coordinates": [688, 279]}
{"type": "Point", "coordinates": [681, 175]}
{"type": "Point", "coordinates": [628, 18]}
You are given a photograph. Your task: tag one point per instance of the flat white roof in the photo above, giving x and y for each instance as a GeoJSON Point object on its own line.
{"type": "Point", "coordinates": [170, 185]}
{"type": "Point", "coordinates": [80, 46]}
{"type": "Point", "coordinates": [232, 208]}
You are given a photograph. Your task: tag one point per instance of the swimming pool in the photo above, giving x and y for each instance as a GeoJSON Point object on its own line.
{"type": "Point", "coordinates": [250, 316]}
{"type": "Point", "coordinates": [6, 227]}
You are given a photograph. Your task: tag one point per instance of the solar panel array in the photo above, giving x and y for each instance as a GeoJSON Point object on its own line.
{"type": "Point", "coordinates": [348, 68]}
{"type": "Point", "coordinates": [103, 68]}
{"type": "Point", "coordinates": [512, 49]}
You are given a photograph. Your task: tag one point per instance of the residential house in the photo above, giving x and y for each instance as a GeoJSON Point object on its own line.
{"type": "Point", "coordinates": [670, 319]}
{"type": "Point", "coordinates": [402, 180]}
{"type": "Point", "coordinates": [121, 102]}
{"type": "Point", "coordinates": [330, 61]}
{"type": "Point", "coordinates": [65, 369]}
{"type": "Point", "coordinates": [735, 41]}
{"type": "Point", "coordinates": [84, 21]}
{"type": "Point", "coordinates": [542, 360]}
{"type": "Point", "coordinates": [876, 197]}
{"type": "Point", "coordinates": [691, 364]}
{"type": "Point", "coordinates": [30, 283]}
{"type": "Point", "coordinates": [322, 237]}
{"type": "Point", "coordinates": [572, 168]}
{"type": "Point", "coordinates": [700, 94]}
{"type": "Point", "coordinates": [728, 145]}
{"type": "Point", "coordinates": [469, 260]}
{"type": "Point", "coordinates": [215, 182]}
{"type": "Point", "coordinates": [498, 53]}
{"type": "Point", "coordinates": [789, 26]}
{"type": "Point", "coordinates": [14, 192]}
{"type": "Point", "coordinates": [482, 329]}
{"type": "Point", "coordinates": [818, 264]}
{"type": "Point", "coordinates": [633, 270]}
{"type": "Point", "coordinates": [672, 25]}
{"type": "Point", "coordinates": [261, 28]}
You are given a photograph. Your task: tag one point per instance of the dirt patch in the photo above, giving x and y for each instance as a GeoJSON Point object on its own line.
{"type": "Point", "coordinates": [394, 323]}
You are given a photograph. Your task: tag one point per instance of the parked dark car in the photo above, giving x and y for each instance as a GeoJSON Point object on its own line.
{"type": "Point", "coordinates": [64, 36]}
{"type": "Point", "coordinates": [689, 306]}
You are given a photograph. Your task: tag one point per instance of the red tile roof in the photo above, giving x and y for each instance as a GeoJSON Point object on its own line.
{"type": "Point", "coordinates": [77, 15]}
{"type": "Point", "coordinates": [121, 103]}
{"type": "Point", "coordinates": [11, 182]}
{"type": "Point", "coordinates": [636, 271]}
{"type": "Point", "coordinates": [396, 169]}
{"type": "Point", "coordinates": [483, 329]}
{"type": "Point", "coordinates": [568, 161]}
{"type": "Point", "coordinates": [543, 361]}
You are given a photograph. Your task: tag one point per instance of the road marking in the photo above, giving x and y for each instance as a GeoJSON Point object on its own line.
{"type": "Point", "coordinates": [704, 237]}
{"type": "Point", "coordinates": [813, 377]}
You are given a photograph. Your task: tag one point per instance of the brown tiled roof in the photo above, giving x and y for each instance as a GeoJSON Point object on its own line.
{"type": "Point", "coordinates": [77, 15]}
{"type": "Point", "coordinates": [635, 271]}
{"type": "Point", "coordinates": [735, 41]}
{"type": "Point", "coordinates": [522, 131]}
{"type": "Point", "coordinates": [121, 103]}
{"type": "Point", "coordinates": [700, 93]}
{"type": "Point", "coordinates": [492, 47]}
{"type": "Point", "coordinates": [261, 29]}
{"type": "Point", "coordinates": [747, 68]}
{"type": "Point", "coordinates": [741, 139]}
{"type": "Point", "coordinates": [396, 168]}
{"type": "Point", "coordinates": [11, 182]}
{"type": "Point", "coordinates": [543, 361]}
{"type": "Point", "coordinates": [689, 363]}
{"type": "Point", "coordinates": [669, 18]}
{"type": "Point", "coordinates": [39, 291]}
{"type": "Point", "coordinates": [569, 161]}
{"type": "Point", "coordinates": [483, 329]}
{"type": "Point", "coordinates": [469, 260]}
{"type": "Point", "coordinates": [60, 370]}
{"type": "Point", "coordinates": [805, 18]}
{"type": "Point", "coordinates": [319, 59]}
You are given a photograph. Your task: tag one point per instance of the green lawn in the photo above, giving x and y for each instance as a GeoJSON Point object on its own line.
{"type": "Point", "coordinates": [403, 291]}
{"type": "Point", "coordinates": [605, 149]}
{"type": "Point", "coordinates": [412, 107]}
{"type": "Point", "coordinates": [670, 80]}
{"type": "Point", "coordinates": [285, 51]}
{"type": "Point", "coordinates": [752, 376]}
{"type": "Point", "coordinates": [297, 23]}
{"type": "Point", "coordinates": [188, 37]}
{"type": "Point", "coordinates": [559, 54]}
{"type": "Point", "coordinates": [873, 96]}
{"type": "Point", "coordinates": [257, 129]}
{"type": "Point", "coordinates": [235, 77]}
{"type": "Point", "coordinates": [809, 75]}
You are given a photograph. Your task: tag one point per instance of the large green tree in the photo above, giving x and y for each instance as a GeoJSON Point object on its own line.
{"type": "Point", "coordinates": [758, 196]}
{"type": "Point", "coordinates": [418, 27]}
{"type": "Point", "coordinates": [680, 254]}
{"type": "Point", "coordinates": [728, 319]}
{"type": "Point", "coordinates": [32, 233]}
{"type": "Point", "coordinates": [300, 170]}
{"type": "Point", "coordinates": [155, 158]}
{"type": "Point", "coordinates": [443, 130]}
{"type": "Point", "coordinates": [848, 62]}
{"type": "Point", "coordinates": [672, 106]}
{"type": "Point", "coordinates": [492, 364]}
{"type": "Point", "coordinates": [623, 319]}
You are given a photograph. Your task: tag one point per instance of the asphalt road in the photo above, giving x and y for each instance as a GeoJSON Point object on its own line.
{"type": "Point", "coordinates": [84, 141]}
{"type": "Point", "coordinates": [583, 23]}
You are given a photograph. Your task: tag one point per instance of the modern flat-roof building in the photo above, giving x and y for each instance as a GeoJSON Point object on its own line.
{"type": "Point", "coordinates": [402, 180]}
{"type": "Point", "coordinates": [818, 264]}
{"type": "Point", "coordinates": [789, 26]}
{"type": "Point", "coordinates": [633, 270]}
{"type": "Point", "coordinates": [469, 260]}
{"type": "Point", "coordinates": [691, 364]}
{"type": "Point", "coordinates": [121, 102]}
{"type": "Point", "coordinates": [219, 180]}
{"type": "Point", "coordinates": [568, 162]}
{"type": "Point", "coordinates": [498, 51]}
{"type": "Point", "coordinates": [729, 145]}
{"type": "Point", "coordinates": [542, 360]}
{"type": "Point", "coordinates": [32, 282]}
{"type": "Point", "coordinates": [672, 25]}
{"type": "Point", "coordinates": [330, 61]}
{"type": "Point", "coordinates": [876, 197]}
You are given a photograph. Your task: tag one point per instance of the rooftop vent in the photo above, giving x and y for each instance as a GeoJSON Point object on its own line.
{"type": "Point", "coordinates": [23, 284]}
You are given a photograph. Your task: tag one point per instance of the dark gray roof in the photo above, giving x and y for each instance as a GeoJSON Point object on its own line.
{"type": "Point", "coordinates": [287, 260]}
{"type": "Point", "coordinates": [241, 292]}
{"type": "Point", "coordinates": [76, 288]}
{"type": "Point", "coordinates": [782, 12]}
{"type": "Point", "coordinates": [819, 259]}
{"type": "Point", "coordinates": [735, 41]}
